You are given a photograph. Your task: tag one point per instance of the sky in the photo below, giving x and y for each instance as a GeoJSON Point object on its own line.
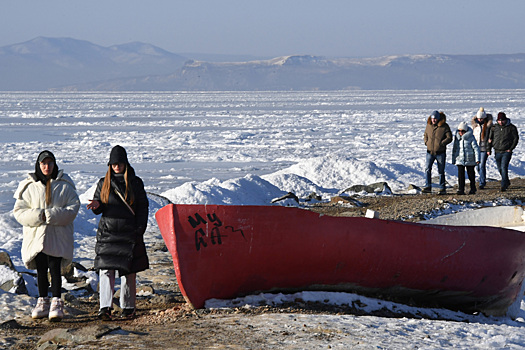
{"type": "Point", "coordinates": [275, 28]}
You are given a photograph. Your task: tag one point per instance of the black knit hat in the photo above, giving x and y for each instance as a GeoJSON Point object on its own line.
{"type": "Point", "coordinates": [118, 155]}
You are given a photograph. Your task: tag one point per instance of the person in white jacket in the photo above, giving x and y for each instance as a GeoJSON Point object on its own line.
{"type": "Point", "coordinates": [46, 206]}
{"type": "Point", "coordinates": [465, 155]}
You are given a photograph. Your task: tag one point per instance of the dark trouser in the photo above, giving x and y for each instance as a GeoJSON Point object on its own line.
{"type": "Point", "coordinates": [502, 161]}
{"type": "Point", "coordinates": [471, 177]}
{"type": "Point", "coordinates": [44, 263]}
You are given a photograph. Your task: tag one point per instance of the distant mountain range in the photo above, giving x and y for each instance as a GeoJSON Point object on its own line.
{"type": "Point", "coordinates": [47, 63]}
{"type": "Point", "coordinates": [69, 64]}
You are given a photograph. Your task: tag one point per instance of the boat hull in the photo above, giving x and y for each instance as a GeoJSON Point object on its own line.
{"type": "Point", "coordinates": [223, 252]}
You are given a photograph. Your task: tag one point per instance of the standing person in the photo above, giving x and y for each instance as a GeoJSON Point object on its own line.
{"type": "Point", "coordinates": [503, 138]}
{"type": "Point", "coordinates": [481, 125]}
{"type": "Point", "coordinates": [465, 154]}
{"type": "Point", "coordinates": [437, 137]}
{"type": "Point", "coordinates": [121, 199]}
{"type": "Point", "coordinates": [46, 206]}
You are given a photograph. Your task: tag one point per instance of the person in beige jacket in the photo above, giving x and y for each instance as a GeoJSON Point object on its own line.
{"type": "Point", "coordinates": [46, 206]}
{"type": "Point", "coordinates": [437, 136]}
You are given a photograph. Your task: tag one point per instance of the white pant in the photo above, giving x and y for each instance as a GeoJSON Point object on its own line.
{"type": "Point", "coordinates": [128, 289]}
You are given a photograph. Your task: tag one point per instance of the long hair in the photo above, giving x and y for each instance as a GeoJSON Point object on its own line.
{"type": "Point", "coordinates": [106, 187]}
{"type": "Point", "coordinates": [46, 180]}
{"type": "Point", "coordinates": [486, 127]}
{"type": "Point", "coordinates": [48, 193]}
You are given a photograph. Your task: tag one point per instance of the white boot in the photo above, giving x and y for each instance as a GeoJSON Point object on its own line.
{"type": "Point", "coordinates": [41, 309]}
{"type": "Point", "coordinates": [56, 312]}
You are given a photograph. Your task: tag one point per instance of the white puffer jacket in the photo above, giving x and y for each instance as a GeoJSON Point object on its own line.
{"type": "Point", "coordinates": [54, 236]}
{"type": "Point", "coordinates": [465, 150]}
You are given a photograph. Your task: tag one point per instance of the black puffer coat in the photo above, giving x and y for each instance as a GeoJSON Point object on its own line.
{"type": "Point", "coordinates": [120, 236]}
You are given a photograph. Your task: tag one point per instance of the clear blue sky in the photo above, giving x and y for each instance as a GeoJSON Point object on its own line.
{"type": "Point", "coordinates": [349, 28]}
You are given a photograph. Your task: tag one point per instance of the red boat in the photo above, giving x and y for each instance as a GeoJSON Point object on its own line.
{"type": "Point", "coordinates": [227, 251]}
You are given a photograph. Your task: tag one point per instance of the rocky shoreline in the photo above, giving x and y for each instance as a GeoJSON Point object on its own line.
{"type": "Point", "coordinates": [165, 322]}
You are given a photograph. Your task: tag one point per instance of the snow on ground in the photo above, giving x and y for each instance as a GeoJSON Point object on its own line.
{"type": "Point", "coordinates": [250, 148]}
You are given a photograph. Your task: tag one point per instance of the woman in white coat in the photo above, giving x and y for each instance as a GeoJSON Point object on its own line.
{"type": "Point", "coordinates": [46, 206]}
{"type": "Point", "coordinates": [465, 155]}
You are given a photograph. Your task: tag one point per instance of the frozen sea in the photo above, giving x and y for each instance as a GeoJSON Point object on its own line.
{"type": "Point", "coordinates": [249, 148]}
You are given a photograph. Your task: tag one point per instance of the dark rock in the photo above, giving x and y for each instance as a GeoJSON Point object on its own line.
{"type": "Point", "coordinates": [58, 336]}
{"type": "Point", "coordinates": [17, 286]}
{"type": "Point", "coordinates": [69, 272]}
{"type": "Point", "coordinates": [5, 259]}
{"type": "Point", "coordinates": [159, 247]}
{"type": "Point", "coordinates": [378, 187]}
{"type": "Point", "coordinates": [11, 324]}
{"type": "Point", "coordinates": [346, 200]}
{"type": "Point", "coordinates": [286, 196]}
{"type": "Point", "coordinates": [48, 346]}
{"type": "Point", "coordinates": [358, 188]}
{"type": "Point", "coordinates": [413, 187]}
{"type": "Point", "coordinates": [313, 196]}
{"type": "Point", "coordinates": [97, 332]}
{"type": "Point", "coordinates": [65, 337]}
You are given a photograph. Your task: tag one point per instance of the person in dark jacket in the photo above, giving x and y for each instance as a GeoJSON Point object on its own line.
{"type": "Point", "coordinates": [503, 138]}
{"type": "Point", "coordinates": [121, 199]}
{"type": "Point", "coordinates": [437, 137]}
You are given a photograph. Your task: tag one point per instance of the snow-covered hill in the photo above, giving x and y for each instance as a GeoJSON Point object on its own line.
{"type": "Point", "coordinates": [45, 63]}
{"type": "Point", "coordinates": [319, 73]}
{"type": "Point", "coordinates": [68, 64]}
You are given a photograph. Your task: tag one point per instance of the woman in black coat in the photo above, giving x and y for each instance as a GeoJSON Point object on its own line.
{"type": "Point", "coordinates": [121, 199]}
